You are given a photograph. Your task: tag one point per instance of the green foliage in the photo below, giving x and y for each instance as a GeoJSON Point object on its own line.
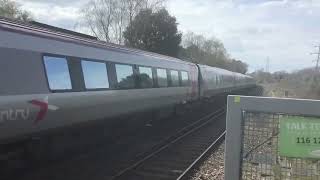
{"type": "Point", "coordinates": [263, 77]}
{"type": "Point", "coordinates": [198, 49]}
{"type": "Point", "coordinates": [10, 9]}
{"type": "Point", "coordinates": [108, 19]}
{"type": "Point", "coordinates": [146, 25]}
{"type": "Point", "coordinates": [304, 83]}
{"type": "Point", "coordinates": [155, 32]}
{"type": "Point", "coordinates": [236, 66]}
{"type": "Point", "coordinates": [314, 87]}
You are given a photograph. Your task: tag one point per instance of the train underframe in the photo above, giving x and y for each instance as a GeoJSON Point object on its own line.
{"type": "Point", "coordinates": [55, 144]}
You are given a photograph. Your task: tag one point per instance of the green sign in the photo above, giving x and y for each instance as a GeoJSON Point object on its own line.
{"type": "Point", "coordinates": [299, 137]}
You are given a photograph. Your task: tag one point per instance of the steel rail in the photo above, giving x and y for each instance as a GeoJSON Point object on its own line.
{"type": "Point", "coordinates": [216, 143]}
{"type": "Point", "coordinates": [209, 118]}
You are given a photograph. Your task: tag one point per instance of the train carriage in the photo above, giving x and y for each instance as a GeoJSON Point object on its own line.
{"type": "Point", "coordinates": [51, 79]}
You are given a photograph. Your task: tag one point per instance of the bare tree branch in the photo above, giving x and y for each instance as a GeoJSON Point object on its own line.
{"type": "Point", "coordinates": [11, 9]}
{"type": "Point", "coordinates": [107, 19]}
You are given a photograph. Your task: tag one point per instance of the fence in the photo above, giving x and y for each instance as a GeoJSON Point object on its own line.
{"type": "Point", "coordinates": [270, 138]}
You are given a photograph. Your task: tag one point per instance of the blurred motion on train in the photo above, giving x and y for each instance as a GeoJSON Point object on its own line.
{"type": "Point", "coordinates": [52, 79]}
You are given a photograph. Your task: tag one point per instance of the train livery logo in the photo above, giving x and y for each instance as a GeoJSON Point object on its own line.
{"type": "Point", "coordinates": [14, 114]}
{"type": "Point", "coordinates": [44, 107]}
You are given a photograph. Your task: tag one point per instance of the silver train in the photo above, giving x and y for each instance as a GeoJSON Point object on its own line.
{"type": "Point", "coordinates": [52, 79]}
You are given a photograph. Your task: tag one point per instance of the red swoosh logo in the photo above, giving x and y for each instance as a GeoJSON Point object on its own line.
{"type": "Point", "coordinates": [43, 110]}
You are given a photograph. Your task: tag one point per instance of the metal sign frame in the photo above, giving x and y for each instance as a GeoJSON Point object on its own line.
{"type": "Point", "coordinates": [239, 104]}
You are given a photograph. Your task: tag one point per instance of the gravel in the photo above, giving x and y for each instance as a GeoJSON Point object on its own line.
{"type": "Point", "coordinates": [213, 167]}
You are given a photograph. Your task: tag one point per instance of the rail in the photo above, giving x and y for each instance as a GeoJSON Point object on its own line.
{"type": "Point", "coordinates": [182, 134]}
{"type": "Point", "coordinates": [214, 145]}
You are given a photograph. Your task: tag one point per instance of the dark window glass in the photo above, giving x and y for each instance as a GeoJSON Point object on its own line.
{"type": "Point", "coordinates": [125, 77]}
{"type": "Point", "coordinates": [95, 74]}
{"type": "Point", "coordinates": [58, 73]}
{"type": "Point", "coordinates": [145, 77]}
{"type": "Point", "coordinates": [174, 78]}
{"type": "Point", "coordinates": [184, 78]}
{"type": "Point", "coordinates": [162, 77]}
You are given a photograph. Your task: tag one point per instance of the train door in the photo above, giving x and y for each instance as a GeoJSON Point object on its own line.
{"type": "Point", "coordinates": [194, 89]}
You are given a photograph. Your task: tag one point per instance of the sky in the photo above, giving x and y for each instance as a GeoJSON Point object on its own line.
{"type": "Point", "coordinates": [283, 31]}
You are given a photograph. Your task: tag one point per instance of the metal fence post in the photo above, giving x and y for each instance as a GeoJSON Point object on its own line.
{"type": "Point", "coordinates": [233, 139]}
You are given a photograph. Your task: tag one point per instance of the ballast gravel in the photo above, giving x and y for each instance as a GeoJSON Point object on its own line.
{"type": "Point", "coordinates": [213, 167]}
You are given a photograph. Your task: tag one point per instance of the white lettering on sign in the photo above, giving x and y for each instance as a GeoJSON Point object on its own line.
{"type": "Point", "coordinates": [296, 126]}
{"type": "Point", "coordinates": [315, 126]}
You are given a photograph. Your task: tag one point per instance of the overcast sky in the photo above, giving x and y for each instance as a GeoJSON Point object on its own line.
{"type": "Point", "coordinates": [286, 31]}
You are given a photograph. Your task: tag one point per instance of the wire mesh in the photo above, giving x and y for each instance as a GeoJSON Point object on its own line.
{"type": "Point", "coordinates": [260, 158]}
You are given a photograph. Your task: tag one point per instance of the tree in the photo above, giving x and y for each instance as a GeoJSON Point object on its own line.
{"type": "Point", "coordinates": [155, 32]}
{"type": "Point", "coordinates": [237, 66]}
{"type": "Point", "coordinates": [107, 19]}
{"type": "Point", "coordinates": [198, 49]}
{"type": "Point", "coordinates": [10, 9]}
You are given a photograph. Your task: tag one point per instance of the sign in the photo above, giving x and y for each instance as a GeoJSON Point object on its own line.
{"type": "Point", "coordinates": [299, 137]}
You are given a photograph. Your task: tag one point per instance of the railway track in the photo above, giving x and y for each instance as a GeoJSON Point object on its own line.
{"type": "Point", "coordinates": [106, 161]}
{"type": "Point", "coordinates": [179, 158]}
{"type": "Point", "coordinates": [174, 159]}
{"type": "Point", "coordinates": [148, 156]}
{"type": "Point", "coordinates": [194, 167]}
{"type": "Point", "coordinates": [188, 172]}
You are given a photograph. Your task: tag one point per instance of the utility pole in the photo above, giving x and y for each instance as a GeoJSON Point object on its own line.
{"type": "Point", "coordinates": [318, 58]}
{"type": "Point", "coordinates": [267, 64]}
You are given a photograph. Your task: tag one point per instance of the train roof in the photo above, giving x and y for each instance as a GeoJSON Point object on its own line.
{"type": "Point", "coordinates": [223, 71]}
{"type": "Point", "coordinates": [217, 70]}
{"type": "Point", "coordinates": [42, 30]}
{"type": "Point", "coordinates": [37, 29]}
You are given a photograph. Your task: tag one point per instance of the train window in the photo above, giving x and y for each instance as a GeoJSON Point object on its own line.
{"type": "Point", "coordinates": [57, 73]}
{"type": "Point", "coordinates": [95, 74]}
{"type": "Point", "coordinates": [162, 78]}
{"type": "Point", "coordinates": [145, 77]}
{"type": "Point", "coordinates": [174, 78]}
{"type": "Point", "coordinates": [184, 78]}
{"type": "Point", "coordinates": [125, 77]}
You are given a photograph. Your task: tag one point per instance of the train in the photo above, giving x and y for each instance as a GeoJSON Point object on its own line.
{"type": "Point", "coordinates": [52, 79]}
